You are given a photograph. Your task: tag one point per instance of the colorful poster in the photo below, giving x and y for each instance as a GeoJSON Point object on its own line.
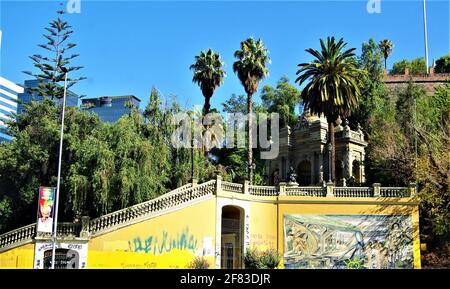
{"type": "Point", "coordinates": [348, 241]}
{"type": "Point", "coordinates": [45, 209]}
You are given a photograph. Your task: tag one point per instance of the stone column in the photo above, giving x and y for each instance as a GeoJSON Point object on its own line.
{"type": "Point", "coordinates": [376, 189]}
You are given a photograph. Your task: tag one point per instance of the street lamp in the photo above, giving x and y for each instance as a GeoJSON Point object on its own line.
{"type": "Point", "coordinates": [55, 225]}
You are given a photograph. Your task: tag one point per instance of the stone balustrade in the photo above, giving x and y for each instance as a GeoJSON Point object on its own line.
{"type": "Point", "coordinates": [232, 187]}
{"type": "Point", "coordinates": [192, 192]}
{"type": "Point", "coordinates": [315, 191]}
{"type": "Point", "coordinates": [263, 190]}
{"type": "Point", "coordinates": [164, 202]}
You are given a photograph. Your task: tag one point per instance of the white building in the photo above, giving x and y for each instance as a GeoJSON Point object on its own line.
{"type": "Point", "coordinates": [8, 105]}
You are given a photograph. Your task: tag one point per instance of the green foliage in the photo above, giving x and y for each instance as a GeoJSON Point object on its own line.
{"type": "Point", "coordinates": [334, 80]}
{"type": "Point", "coordinates": [198, 263]}
{"type": "Point", "coordinates": [268, 259]}
{"type": "Point", "coordinates": [106, 166]}
{"type": "Point", "coordinates": [282, 99]}
{"type": "Point", "coordinates": [252, 259]}
{"type": "Point", "coordinates": [386, 48]}
{"type": "Point", "coordinates": [416, 66]}
{"type": "Point", "coordinates": [443, 64]}
{"type": "Point", "coordinates": [208, 74]}
{"type": "Point", "coordinates": [52, 66]}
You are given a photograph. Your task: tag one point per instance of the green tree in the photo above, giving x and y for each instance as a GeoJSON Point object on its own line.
{"type": "Point", "coordinates": [386, 47]}
{"type": "Point", "coordinates": [251, 68]}
{"type": "Point", "coordinates": [399, 67]}
{"type": "Point", "coordinates": [443, 64]}
{"type": "Point", "coordinates": [51, 67]}
{"type": "Point", "coordinates": [333, 85]}
{"type": "Point", "coordinates": [208, 74]}
{"type": "Point", "coordinates": [416, 66]}
{"type": "Point", "coordinates": [282, 99]}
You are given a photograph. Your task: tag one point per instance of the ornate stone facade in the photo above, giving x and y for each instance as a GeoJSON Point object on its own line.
{"type": "Point", "coordinates": [305, 147]}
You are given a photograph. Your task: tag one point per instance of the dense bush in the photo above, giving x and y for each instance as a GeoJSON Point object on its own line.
{"type": "Point", "coordinates": [198, 263]}
{"type": "Point", "coordinates": [268, 259]}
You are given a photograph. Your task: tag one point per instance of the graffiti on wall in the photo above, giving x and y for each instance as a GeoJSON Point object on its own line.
{"type": "Point", "coordinates": [164, 243]}
{"type": "Point", "coordinates": [348, 241]}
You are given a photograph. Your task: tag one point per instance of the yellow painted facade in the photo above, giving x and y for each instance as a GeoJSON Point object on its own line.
{"type": "Point", "coordinates": [173, 239]}
{"type": "Point", "coordinates": [167, 241]}
{"type": "Point", "coordinates": [18, 258]}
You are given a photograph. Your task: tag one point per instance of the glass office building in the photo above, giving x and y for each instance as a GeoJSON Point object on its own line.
{"type": "Point", "coordinates": [110, 108]}
{"type": "Point", "coordinates": [8, 105]}
{"type": "Point", "coordinates": [27, 96]}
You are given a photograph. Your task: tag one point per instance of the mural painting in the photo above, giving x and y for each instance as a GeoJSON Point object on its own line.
{"type": "Point", "coordinates": [348, 241]}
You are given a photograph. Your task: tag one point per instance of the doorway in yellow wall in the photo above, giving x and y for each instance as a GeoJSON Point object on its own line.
{"type": "Point", "coordinates": [232, 240]}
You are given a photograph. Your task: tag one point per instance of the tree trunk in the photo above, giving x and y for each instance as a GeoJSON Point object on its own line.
{"type": "Point", "coordinates": [250, 150]}
{"type": "Point", "coordinates": [333, 151]}
{"type": "Point", "coordinates": [385, 67]}
{"type": "Point", "coordinates": [206, 108]}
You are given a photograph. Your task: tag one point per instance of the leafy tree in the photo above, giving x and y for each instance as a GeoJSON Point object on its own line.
{"type": "Point", "coordinates": [373, 87]}
{"type": "Point", "coordinates": [51, 67]}
{"type": "Point", "coordinates": [208, 74]}
{"type": "Point", "coordinates": [416, 66]}
{"type": "Point", "coordinates": [399, 67]}
{"type": "Point", "coordinates": [251, 67]}
{"type": "Point", "coordinates": [443, 64]}
{"type": "Point", "coordinates": [333, 87]}
{"type": "Point", "coordinates": [282, 99]}
{"type": "Point", "coordinates": [386, 47]}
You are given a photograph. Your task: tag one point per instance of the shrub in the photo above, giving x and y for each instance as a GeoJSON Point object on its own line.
{"type": "Point", "coordinates": [199, 263]}
{"type": "Point", "coordinates": [269, 259]}
{"type": "Point", "coordinates": [252, 259]}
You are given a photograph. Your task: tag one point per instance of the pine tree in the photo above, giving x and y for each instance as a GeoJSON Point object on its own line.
{"type": "Point", "coordinates": [52, 66]}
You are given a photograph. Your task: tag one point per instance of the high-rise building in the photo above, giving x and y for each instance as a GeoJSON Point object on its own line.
{"type": "Point", "coordinates": [26, 96]}
{"type": "Point", "coordinates": [110, 108]}
{"type": "Point", "coordinates": [8, 105]}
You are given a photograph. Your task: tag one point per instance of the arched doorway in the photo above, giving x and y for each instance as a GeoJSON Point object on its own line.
{"type": "Point", "coordinates": [232, 240]}
{"type": "Point", "coordinates": [356, 170]}
{"type": "Point", "coordinates": [304, 173]}
{"type": "Point", "coordinates": [64, 259]}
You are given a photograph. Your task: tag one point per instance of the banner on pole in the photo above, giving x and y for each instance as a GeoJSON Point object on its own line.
{"type": "Point", "coordinates": [45, 209]}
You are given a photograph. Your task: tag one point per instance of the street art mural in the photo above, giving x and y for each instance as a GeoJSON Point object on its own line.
{"type": "Point", "coordinates": [348, 241]}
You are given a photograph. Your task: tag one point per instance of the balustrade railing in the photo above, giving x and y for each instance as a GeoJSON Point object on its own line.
{"type": "Point", "coordinates": [164, 202]}
{"type": "Point", "coordinates": [398, 192]}
{"type": "Point", "coordinates": [191, 192]}
{"type": "Point", "coordinates": [306, 191]}
{"type": "Point", "coordinates": [263, 190]}
{"type": "Point", "coordinates": [357, 192]}
{"type": "Point", "coordinates": [232, 187]}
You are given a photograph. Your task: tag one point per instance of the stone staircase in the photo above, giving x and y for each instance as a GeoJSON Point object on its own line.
{"type": "Point", "coordinates": [190, 194]}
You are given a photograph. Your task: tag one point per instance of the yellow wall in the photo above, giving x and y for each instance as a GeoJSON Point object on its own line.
{"type": "Point", "coordinates": [18, 258]}
{"type": "Point", "coordinates": [150, 244]}
{"type": "Point", "coordinates": [263, 225]}
{"type": "Point", "coordinates": [349, 206]}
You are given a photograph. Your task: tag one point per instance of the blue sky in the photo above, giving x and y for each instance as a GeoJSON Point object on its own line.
{"type": "Point", "coordinates": [127, 47]}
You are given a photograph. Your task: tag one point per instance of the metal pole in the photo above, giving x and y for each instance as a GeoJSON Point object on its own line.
{"type": "Point", "coordinates": [425, 33]}
{"type": "Point", "coordinates": [55, 219]}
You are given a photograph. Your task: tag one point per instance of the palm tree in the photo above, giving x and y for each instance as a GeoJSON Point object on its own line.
{"type": "Point", "coordinates": [208, 74]}
{"type": "Point", "coordinates": [386, 47]}
{"type": "Point", "coordinates": [251, 67]}
{"type": "Point", "coordinates": [333, 87]}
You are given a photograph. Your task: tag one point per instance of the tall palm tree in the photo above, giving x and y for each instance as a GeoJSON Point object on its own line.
{"type": "Point", "coordinates": [333, 86]}
{"type": "Point", "coordinates": [386, 47]}
{"type": "Point", "coordinates": [208, 74]}
{"type": "Point", "coordinates": [251, 67]}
